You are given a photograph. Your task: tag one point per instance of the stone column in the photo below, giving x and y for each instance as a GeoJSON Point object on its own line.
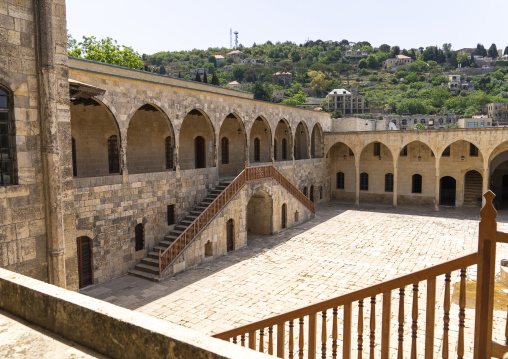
{"type": "Point", "coordinates": [48, 98]}
{"type": "Point", "coordinates": [123, 156]}
{"type": "Point", "coordinates": [395, 180]}
{"type": "Point", "coordinates": [436, 200]}
{"type": "Point", "coordinates": [485, 181]}
{"type": "Point", "coordinates": [357, 180]}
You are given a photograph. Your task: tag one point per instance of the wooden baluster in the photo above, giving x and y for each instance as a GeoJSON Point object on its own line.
{"type": "Point", "coordinates": [270, 340]}
{"type": "Point", "coordinates": [401, 324]}
{"type": "Point", "coordinates": [261, 340]}
{"type": "Point", "coordinates": [301, 340]}
{"type": "Point", "coordinates": [414, 326]}
{"type": "Point", "coordinates": [386, 323]}
{"type": "Point", "coordinates": [348, 313]}
{"type": "Point", "coordinates": [280, 339]}
{"type": "Point", "coordinates": [311, 347]}
{"type": "Point", "coordinates": [242, 340]}
{"type": "Point", "coordinates": [234, 340]}
{"type": "Point", "coordinates": [334, 333]}
{"type": "Point", "coordinates": [291, 340]}
{"type": "Point", "coordinates": [430, 318]}
{"type": "Point", "coordinates": [323, 335]}
{"type": "Point", "coordinates": [360, 329]}
{"type": "Point", "coordinates": [462, 314]}
{"type": "Point", "coordinates": [372, 325]}
{"type": "Point", "coordinates": [446, 317]}
{"type": "Point", "coordinates": [252, 340]}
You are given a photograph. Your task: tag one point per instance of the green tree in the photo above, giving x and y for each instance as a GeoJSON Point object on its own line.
{"type": "Point", "coordinates": [372, 62]}
{"type": "Point", "coordinates": [262, 91]}
{"type": "Point", "coordinates": [205, 78]}
{"type": "Point", "coordinates": [297, 100]}
{"type": "Point", "coordinates": [505, 51]}
{"type": "Point", "coordinates": [395, 51]}
{"type": "Point", "coordinates": [198, 77]}
{"type": "Point", "coordinates": [412, 106]}
{"type": "Point", "coordinates": [480, 50]}
{"type": "Point", "coordinates": [238, 72]}
{"type": "Point", "coordinates": [418, 126]}
{"type": "Point", "coordinates": [215, 80]}
{"type": "Point", "coordinates": [363, 64]}
{"type": "Point", "coordinates": [162, 70]}
{"type": "Point", "coordinates": [106, 50]}
{"type": "Point", "coordinates": [384, 48]}
{"type": "Point", "coordinates": [493, 51]}
{"type": "Point", "coordinates": [319, 82]}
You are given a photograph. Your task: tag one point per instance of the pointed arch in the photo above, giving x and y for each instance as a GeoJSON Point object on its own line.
{"type": "Point", "coordinates": [196, 124]}
{"type": "Point", "coordinates": [301, 141]}
{"type": "Point", "coordinates": [317, 141]}
{"type": "Point", "coordinates": [233, 140]}
{"type": "Point", "coordinates": [261, 139]}
{"type": "Point", "coordinates": [284, 138]}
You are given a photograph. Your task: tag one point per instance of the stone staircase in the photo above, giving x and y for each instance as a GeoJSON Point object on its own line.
{"type": "Point", "coordinates": [148, 268]}
{"type": "Point", "coordinates": [473, 190]}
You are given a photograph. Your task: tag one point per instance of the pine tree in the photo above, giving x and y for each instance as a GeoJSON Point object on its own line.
{"type": "Point", "coordinates": [179, 75]}
{"type": "Point", "coordinates": [205, 79]}
{"type": "Point", "coordinates": [505, 51]}
{"type": "Point", "coordinates": [493, 51]}
{"type": "Point", "coordinates": [162, 70]}
{"type": "Point", "coordinates": [215, 80]}
{"type": "Point", "coordinates": [198, 78]}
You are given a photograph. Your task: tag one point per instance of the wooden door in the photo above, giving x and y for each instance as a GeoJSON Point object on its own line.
{"type": "Point", "coordinates": [230, 230]}
{"type": "Point", "coordinates": [284, 216]}
{"type": "Point", "coordinates": [199, 151]}
{"type": "Point", "coordinates": [84, 245]}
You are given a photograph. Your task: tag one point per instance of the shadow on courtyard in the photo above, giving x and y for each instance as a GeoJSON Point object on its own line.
{"type": "Point", "coordinates": [136, 292]}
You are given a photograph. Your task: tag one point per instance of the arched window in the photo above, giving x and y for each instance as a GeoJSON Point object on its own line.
{"type": "Point", "coordinates": [417, 183]}
{"type": "Point", "coordinates": [284, 149]}
{"type": "Point", "coordinates": [169, 153]}
{"type": "Point", "coordinates": [199, 152]}
{"type": "Point", "coordinates": [389, 182]}
{"type": "Point", "coordinates": [139, 232]}
{"type": "Point", "coordinates": [364, 181]}
{"type": "Point", "coordinates": [74, 164]}
{"type": "Point", "coordinates": [7, 142]}
{"type": "Point", "coordinates": [275, 150]}
{"type": "Point", "coordinates": [257, 150]}
{"type": "Point", "coordinates": [113, 157]}
{"type": "Point", "coordinates": [225, 150]}
{"type": "Point", "coordinates": [340, 180]}
{"type": "Point", "coordinates": [305, 191]}
{"type": "Point", "coordinates": [284, 215]}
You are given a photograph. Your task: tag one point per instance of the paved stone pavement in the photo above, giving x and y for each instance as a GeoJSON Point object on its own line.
{"type": "Point", "coordinates": [344, 248]}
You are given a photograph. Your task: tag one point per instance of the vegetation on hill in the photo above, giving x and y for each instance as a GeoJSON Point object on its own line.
{"type": "Point", "coordinates": [317, 67]}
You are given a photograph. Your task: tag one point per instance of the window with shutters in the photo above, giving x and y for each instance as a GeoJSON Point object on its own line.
{"type": "Point", "coordinates": [284, 149]}
{"type": "Point", "coordinates": [389, 182]}
{"type": "Point", "coordinates": [74, 163]}
{"type": "Point", "coordinates": [169, 153]}
{"type": "Point", "coordinates": [257, 150]}
{"type": "Point", "coordinates": [340, 180]}
{"type": "Point", "coordinates": [377, 149]}
{"type": "Point", "coordinates": [364, 181]}
{"type": "Point", "coordinates": [8, 170]}
{"type": "Point", "coordinates": [113, 156]}
{"type": "Point", "coordinates": [417, 183]}
{"type": "Point", "coordinates": [139, 232]}
{"type": "Point", "coordinates": [275, 149]}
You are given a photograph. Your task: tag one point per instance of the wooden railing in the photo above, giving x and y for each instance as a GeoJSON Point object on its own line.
{"type": "Point", "coordinates": [249, 174]}
{"type": "Point", "coordinates": [296, 333]}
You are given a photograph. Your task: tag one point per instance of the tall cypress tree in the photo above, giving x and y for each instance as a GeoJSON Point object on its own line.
{"type": "Point", "coordinates": [162, 70]}
{"type": "Point", "coordinates": [198, 78]}
{"type": "Point", "coordinates": [215, 80]}
{"type": "Point", "coordinates": [205, 79]}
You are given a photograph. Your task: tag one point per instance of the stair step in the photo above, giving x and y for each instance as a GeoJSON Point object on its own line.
{"type": "Point", "coordinates": [154, 255]}
{"type": "Point", "coordinates": [144, 275]}
{"type": "Point", "coordinates": [156, 248]}
{"type": "Point", "coordinates": [165, 243]}
{"type": "Point", "coordinates": [147, 268]}
{"type": "Point", "coordinates": [151, 261]}
{"type": "Point", "coordinates": [170, 238]}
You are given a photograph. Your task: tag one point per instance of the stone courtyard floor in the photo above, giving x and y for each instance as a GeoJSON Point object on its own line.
{"type": "Point", "coordinates": [344, 248]}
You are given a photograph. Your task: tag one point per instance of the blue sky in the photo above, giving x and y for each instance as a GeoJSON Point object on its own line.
{"type": "Point", "coordinates": [154, 25]}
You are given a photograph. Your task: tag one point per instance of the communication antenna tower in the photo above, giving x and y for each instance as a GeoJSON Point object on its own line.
{"type": "Point", "coordinates": [230, 38]}
{"type": "Point", "coordinates": [236, 39]}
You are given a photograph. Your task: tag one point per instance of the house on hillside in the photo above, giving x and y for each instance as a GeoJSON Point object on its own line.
{"type": "Point", "coordinates": [459, 82]}
{"type": "Point", "coordinates": [345, 102]}
{"type": "Point", "coordinates": [219, 58]}
{"type": "Point", "coordinates": [249, 61]}
{"type": "Point", "coordinates": [235, 85]}
{"type": "Point", "coordinates": [282, 77]}
{"type": "Point", "coordinates": [397, 61]}
{"type": "Point", "coordinates": [354, 53]}
{"type": "Point", "coordinates": [237, 54]}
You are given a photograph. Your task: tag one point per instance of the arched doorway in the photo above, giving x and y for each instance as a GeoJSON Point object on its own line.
{"type": "Point", "coordinates": [282, 142]}
{"type": "Point", "coordinates": [316, 142]}
{"type": "Point", "coordinates": [84, 246]}
{"type": "Point", "coordinates": [196, 124]}
{"type": "Point", "coordinates": [284, 216]}
{"type": "Point", "coordinates": [342, 172]}
{"type": "Point", "coordinates": [373, 185]}
{"type": "Point", "coordinates": [473, 189]}
{"type": "Point", "coordinates": [447, 191]}
{"type": "Point", "coordinates": [260, 141]}
{"type": "Point", "coordinates": [230, 233]}
{"type": "Point", "coordinates": [199, 152]}
{"type": "Point", "coordinates": [146, 140]}
{"type": "Point", "coordinates": [233, 142]}
{"type": "Point", "coordinates": [260, 213]}
{"type": "Point", "coordinates": [301, 142]}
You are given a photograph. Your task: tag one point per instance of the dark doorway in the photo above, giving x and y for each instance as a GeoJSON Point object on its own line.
{"type": "Point", "coordinates": [199, 152]}
{"type": "Point", "coordinates": [284, 216]}
{"type": "Point", "coordinates": [84, 245]}
{"type": "Point", "coordinates": [473, 189]}
{"type": "Point", "coordinates": [448, 185]}
{"type": "Point", "coordinates": [312, 193]}
{"type": "Point", "coordinates": [230, 229]}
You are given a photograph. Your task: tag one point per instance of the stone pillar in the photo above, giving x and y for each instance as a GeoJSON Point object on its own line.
{"type": "Point", "coordinates": [357, 180]}
{"type": "Point", "coordinates": [436, 200]}
{"type": "Point", "coordinates": [485, 181]}
{"type": "Point", "coordinates": [52, 176]}
{"type": "Point", "coordinates": [395, 180]}
{"type": "Point", "coordinates": [123, 156]}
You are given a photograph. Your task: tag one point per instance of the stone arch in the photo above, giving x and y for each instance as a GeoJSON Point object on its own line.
{"type": "Point", "coordinates": [92, 124]}
{"type": "Point", "coordinates": [376, 159]}
{"type": "Point", "coordinates": [473, 181]}
{"type": "Point", "coordinates": [301, 141]}
{"type": "Point", "coordinates": [232, 159]}
{"type": "Point", "coordinates": [196, 124]}
{"type": "Point", "coordinates": [283, 141]}
{"type": "Point", "coordinates": [461, 148]}
{"type": "Point", "coordinates": [341, 159]}
{"type": "Point", "coordinates": [419, 160]}
{"type": "Point", "coordinates": [261, 131]}
{"type": "Point", "coordinates": [146, 140]}
{"type": "Point", "coordinates": [317, 141]}
{"type": "Point", "coordinates": [260, 213]}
